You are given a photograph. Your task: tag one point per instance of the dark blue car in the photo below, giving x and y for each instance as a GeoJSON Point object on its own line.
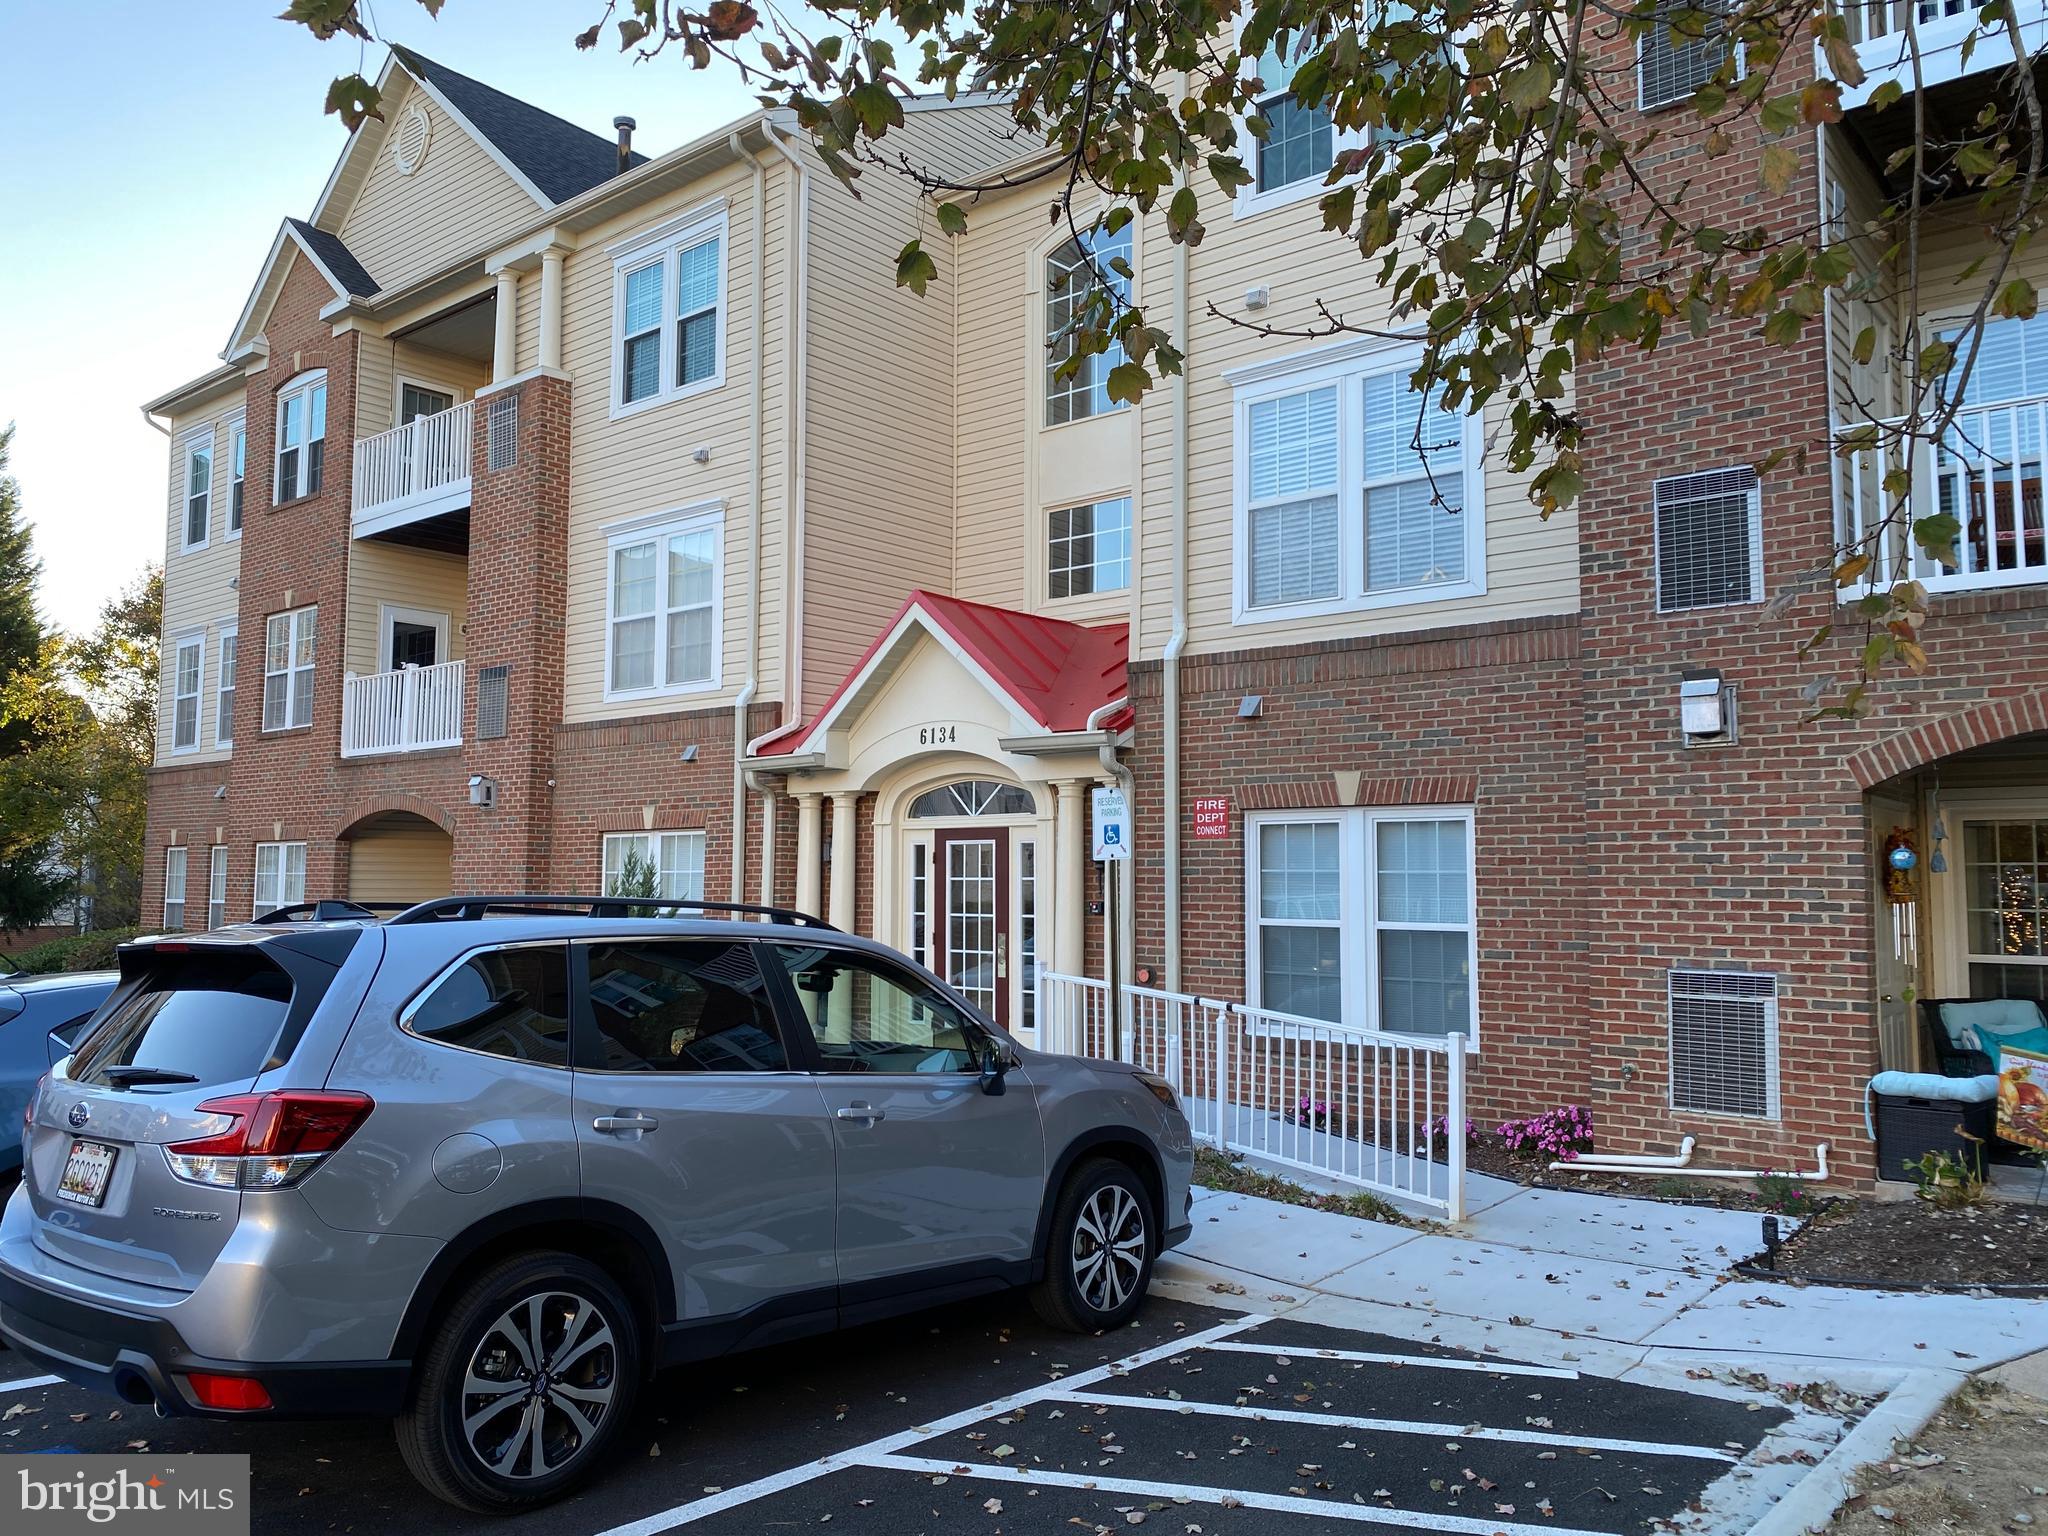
{"type": "Point", "coordinates": [40, 1018]}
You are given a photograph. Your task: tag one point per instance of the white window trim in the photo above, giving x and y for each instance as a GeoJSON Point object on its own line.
{"type": "Point", "coordinates": [653, 530]}
{"type": "Point", "coordinates": [652, 839]}
{"type": "Point", "coordinates": [1040, 288]}
{"type": "Point", "coordinates": [189, 448]}
{"type": "Point", "coordinates": [300, 387]}
{"type": "Point", "coordinates": [456, 393]}
{"type": "Point", "coordinates": [224, 719]}
{"type": "Point", "coordinates": [1358, 900]}
{"type": "Point", "coordinates": [180, 854]}
{"type": "Point", "coordinates": [257, 906]}
{"type": "Point", "coordinates": [289, 672]}
{"type": "Point", "coordinates": [216, 864]}
{"type": "Point", "coordinates": [238, 436]}
{"type": "Point", "coordinates": [387, 613]}
{"type": "Point", "coordinates": [661, 244]}
{"type": "Point", "coordinates": [195, 638]}
{"type": "Point", "coordinates": [1250, 201]}
{"type": "Point", "coordinates": [1347, 366]}
{"type": "Point", "coordinates": [1114, 596]}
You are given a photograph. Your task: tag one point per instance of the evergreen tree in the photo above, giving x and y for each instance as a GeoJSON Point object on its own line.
{"type": "Point", "coordinates": [21, 628]}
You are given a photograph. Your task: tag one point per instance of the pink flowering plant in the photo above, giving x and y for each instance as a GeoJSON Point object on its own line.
{"type": "Point", "coordinates": [1311, 1112]}
{"type": "Point", "coordinates": [1440, 1131]}
{"type": "Point", "coordinates": [1561, 1133]}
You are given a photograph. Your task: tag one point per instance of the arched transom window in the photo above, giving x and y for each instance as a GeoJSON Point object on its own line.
{"type": "Point", "coordinates": [972, 797]}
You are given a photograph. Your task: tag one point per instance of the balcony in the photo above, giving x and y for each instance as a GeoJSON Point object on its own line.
{"type": "Point", "coordinates": [414, 709]}
{"type": "Point", "coordinates": [1886, 31]}
{"type": "Point", "coordinates": [1987, 474]}
{"type": "Point", "coordinates": [412, 473]}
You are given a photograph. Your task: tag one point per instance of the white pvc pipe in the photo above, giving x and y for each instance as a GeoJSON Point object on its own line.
{"type": "Point", "coordinates": [1819, 1174]}
{"type": "Point", "coordinates": [1630, 1159]}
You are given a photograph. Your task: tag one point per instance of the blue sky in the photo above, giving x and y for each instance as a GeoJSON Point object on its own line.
{"type": "Point", "coordinates": [150, 152]}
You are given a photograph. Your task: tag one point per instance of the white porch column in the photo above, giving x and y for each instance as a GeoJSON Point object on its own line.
{"type": "Point", "coordinates": [1070, 879]}
{"type": "Point", "coordinates": [771, 807]}
{"type": "Point", "coordinates": [505, 340]}
{"type": "Point", "coordinates": [551, 309]}
{"type": "Point", "coordinates": [809, 851]}
{"type": "Point", "coordinates": [845, 860]}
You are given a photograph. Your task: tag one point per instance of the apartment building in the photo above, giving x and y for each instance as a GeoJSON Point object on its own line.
{"type": "Point", "coordinates": [580, 506]}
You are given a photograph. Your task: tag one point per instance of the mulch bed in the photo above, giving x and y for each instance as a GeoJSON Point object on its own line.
{"type": "Point", "coordinates": [1911, 1243]}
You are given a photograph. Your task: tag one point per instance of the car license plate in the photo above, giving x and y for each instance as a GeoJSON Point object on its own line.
{"type": "Point", "coordinates": [85, 1173]}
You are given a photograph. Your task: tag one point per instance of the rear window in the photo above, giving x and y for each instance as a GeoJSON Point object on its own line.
{"type": "Point", "coordinates": [213, 1016]}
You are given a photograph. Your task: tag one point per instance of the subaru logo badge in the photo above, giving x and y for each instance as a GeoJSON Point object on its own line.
{"type": "Point", "coordinates": [79, 1115]}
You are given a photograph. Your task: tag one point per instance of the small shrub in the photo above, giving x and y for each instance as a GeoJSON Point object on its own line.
{"type": "Point", "coordinates": [1314, 1113]}
{"type": "Point", "coordinates": [1783, 1195]}
{"type": "Point", "coordinates": [1561, 1133]}
{"type": "Point", "coordinates": [75, 952]}
{"type": "Point", "coordinates": [1946, 1181]}
{"type": "Point", "coordinates": [1440, 1133]}
{"type": "Point", "coordinates": [1671, 1188]}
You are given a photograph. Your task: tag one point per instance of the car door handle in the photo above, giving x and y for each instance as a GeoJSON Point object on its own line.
{"type": "Point", "coordinates": [617, 1123]}
{"type": "Point", "coordinates": [867, 1114]}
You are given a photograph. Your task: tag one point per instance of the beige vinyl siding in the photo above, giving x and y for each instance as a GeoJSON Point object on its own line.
{"type": "Point", "coordinates": [381, 361]}
{"type": "Point", "coordinates": [199, 595]}
{"type": "Point", "coordinates": [381, 573]}
{"type": "Point", "coordinates": [642, 465]}
{"type": "Point", "coordinates": [879, 484]}
{"type": "Point", "coordinates": [456, 203]}
{"type": "Point", "coordinates": [1531, 564]}
{"type": "Point", "coordinates": [1849, 316]}
{"type": "Point", "coordinates": [398, 857]}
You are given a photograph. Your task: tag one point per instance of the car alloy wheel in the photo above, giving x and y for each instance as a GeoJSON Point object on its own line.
{"type": "Point", "coordinates": [539, 1385]}
{"type": "Point", "coordinates": [1109, 1248]}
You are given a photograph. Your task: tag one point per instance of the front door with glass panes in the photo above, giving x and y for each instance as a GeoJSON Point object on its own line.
{"type": "Point", "coordinates": [973, 895]}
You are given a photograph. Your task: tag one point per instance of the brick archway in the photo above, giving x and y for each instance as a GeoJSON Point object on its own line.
{"type": "Point", "coordinates": [395, 800]}
{"type": "Point", "coordinates": [1996, 720]}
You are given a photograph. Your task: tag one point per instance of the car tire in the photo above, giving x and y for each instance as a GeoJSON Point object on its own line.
{"type": "Point", "coordinates": [1098, 1258]}
{"type": "Point", "coordinates": [479, 1450]}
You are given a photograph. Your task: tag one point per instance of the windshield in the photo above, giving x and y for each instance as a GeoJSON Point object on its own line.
{"type": "Point", "coordinates": [204, 1019]}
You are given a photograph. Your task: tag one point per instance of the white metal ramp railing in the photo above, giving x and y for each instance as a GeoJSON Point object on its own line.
{"type": "Point", "coordinates": [1350, 1104]}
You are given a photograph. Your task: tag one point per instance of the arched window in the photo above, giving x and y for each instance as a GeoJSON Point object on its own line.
{"type": "Point", "coordinates": [1071, 273]}
{"type": "Point", "coordinates": [972, 797]}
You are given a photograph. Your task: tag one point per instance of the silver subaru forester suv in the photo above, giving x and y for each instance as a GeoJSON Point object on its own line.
{"type": "Point", "coordinates": [486, 1165]}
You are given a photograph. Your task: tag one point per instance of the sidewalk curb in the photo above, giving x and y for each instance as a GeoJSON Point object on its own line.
{"type": "Point", "coordinates": [1904, 1412]}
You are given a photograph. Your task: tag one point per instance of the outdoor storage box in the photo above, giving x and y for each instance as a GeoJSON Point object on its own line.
{"type": "Point", "coordinates": [1909, 1124]}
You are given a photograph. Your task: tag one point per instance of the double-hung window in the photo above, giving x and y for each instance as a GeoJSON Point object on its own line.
{"type": "Point", "coordinates": [224, 698]}
{"type": "Point", "coordinates": [198, 481]}
{"type": "Point", "coordinates": [662, 607]}
{"type": "Point", "coordinates": [301, 436]}
{"type": "Point", "coordinates": [1072, 275]}
{"type": "Point", "coordinates": [668, 313]}
{"type": "Point", "coordinates": [1363, 917]}
{"type": "Point", "coordinates": [1291, 161]}
{"type": "Point", "coordinates": [238, 470]}
{"type": "Point", "coordinates": [188, 662]}
{"type": "Point", "coordinates": [1353, 491]}
{"type": "Point", "coordinates": [174, 888]}
{"type": "Point", "coordinates": [216, 886]}
{"type": "Point", "coordinates": [280, 876]}
{"type": "Point", "coordinates": [1089, 549]}
{"type": "Point", "coordinates": [288, 669]}
{"type": "Point", "coordinates": [669, 864]}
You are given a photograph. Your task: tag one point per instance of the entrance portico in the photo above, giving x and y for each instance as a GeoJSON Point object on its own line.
{"type": "Point", "coordinates": [953, 765]}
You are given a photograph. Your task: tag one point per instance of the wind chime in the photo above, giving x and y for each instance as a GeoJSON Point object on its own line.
{"type": "Point", "coordinates": [1900, 859]}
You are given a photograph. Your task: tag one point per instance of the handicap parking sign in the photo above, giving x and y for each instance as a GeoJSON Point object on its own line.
{"type": "Point", "coordinates": [1112, 823]}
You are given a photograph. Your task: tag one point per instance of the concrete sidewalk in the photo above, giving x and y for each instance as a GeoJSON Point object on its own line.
{"type": "Point", "coordinates": [1537, 1270]}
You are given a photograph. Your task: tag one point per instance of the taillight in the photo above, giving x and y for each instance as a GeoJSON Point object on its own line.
{"type": "Point", "coordinates": [273, 1141]}
{"type": "Point", "coordinates": [242, 1393]}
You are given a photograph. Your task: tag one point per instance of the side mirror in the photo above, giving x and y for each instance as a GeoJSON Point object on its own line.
{"type": "Point", "coordinates": [995, 1065]}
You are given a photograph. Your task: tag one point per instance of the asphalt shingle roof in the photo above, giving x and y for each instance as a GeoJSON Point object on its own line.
{"type": "Point", "coordinates": [555, 155]}
{"type": "Point", "coordinates": [337, 258]}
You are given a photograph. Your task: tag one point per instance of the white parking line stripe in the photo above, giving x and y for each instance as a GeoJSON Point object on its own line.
{"type": "Point", "coordinates": [29, 1381]}
{"type": "Point", "coordinates": [1368, 1357]}
{"type": "Point", "coordinates": [860, 1455]}
{"type": "Point", "coordinates": [1194, 1493]}
{"type": "Point", "coordinates": [1401, 1426]}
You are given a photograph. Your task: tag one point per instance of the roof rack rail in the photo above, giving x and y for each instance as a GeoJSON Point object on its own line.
{"type": "Point", "coordinates": [328, 911]}
{"type": "Point", "coordinates": [465, 908]}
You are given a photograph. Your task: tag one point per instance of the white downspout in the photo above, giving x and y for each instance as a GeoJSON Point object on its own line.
{"type": "Point", "coordinates": [798, 387]}
{"type": "Point", "coordinates": [737, 883]}
{"type": "Point", "coordinates": [1176, 642]}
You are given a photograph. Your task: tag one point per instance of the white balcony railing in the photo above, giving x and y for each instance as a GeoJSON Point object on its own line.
{"type": "Point", "coordinates": [1939, 31]}
{"type": "Point", "coordinates": [409, 710]}
{"type": "Point", "coordinates": [1987, 473]}
{"type": "Point", "coordinates": [418, 470]}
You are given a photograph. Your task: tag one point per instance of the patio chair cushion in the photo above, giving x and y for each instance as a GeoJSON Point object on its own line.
{"type": "Point", "coordinates": [2035, 1039]}
{"type": "Point", "coordinates": [1972, 1026]}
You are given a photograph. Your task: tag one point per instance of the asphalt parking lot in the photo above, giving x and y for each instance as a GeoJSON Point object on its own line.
{"type": "Point", "coordinates": [978, 1419]}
